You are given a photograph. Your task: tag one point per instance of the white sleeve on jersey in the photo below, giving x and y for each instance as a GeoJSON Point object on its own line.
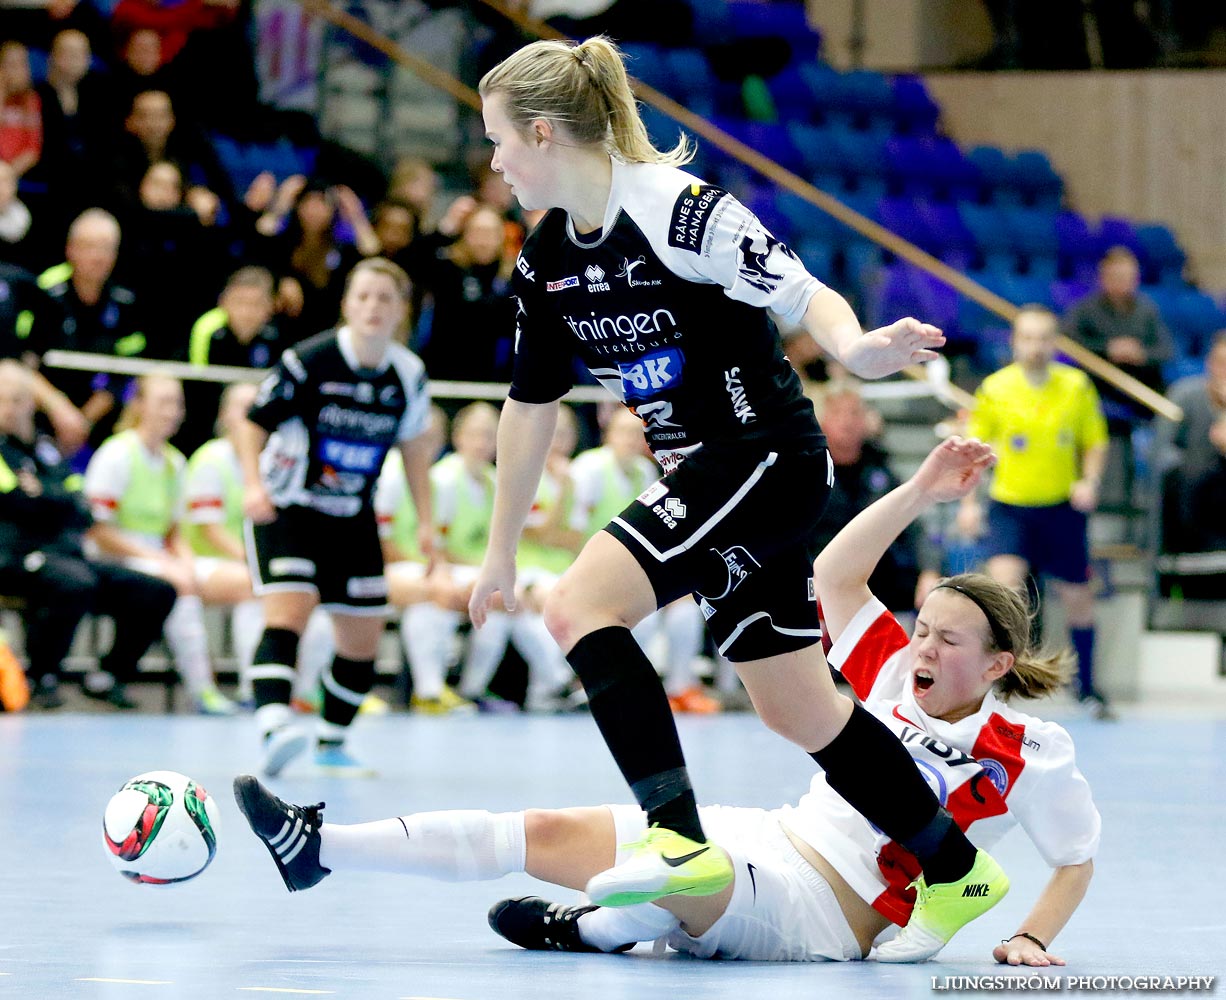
{"type": "Point", "coordinates": [106, 479]}
{"type": "Point", "coordinates": [1057, 810]}
{"type": "Point", "coordinates": [417, 404]}
{"type": "Point", "coordinates": [205, 493]}
{"type": "Point", "coordinates": [702, 233]}
{"type": "Point", "coordinates": [390, 491]}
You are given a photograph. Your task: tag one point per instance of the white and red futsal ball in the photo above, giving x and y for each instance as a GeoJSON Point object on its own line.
{"type": "Point", "coordinates": [160, 828]}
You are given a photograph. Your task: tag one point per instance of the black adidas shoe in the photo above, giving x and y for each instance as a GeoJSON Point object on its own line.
{"type": "Point", "coordinates": [539, 925]}
{"type": "Point", "coordinates": [290, 832]}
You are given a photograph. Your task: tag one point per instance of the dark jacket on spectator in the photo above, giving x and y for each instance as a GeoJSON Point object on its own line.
{"type": "Point", "coordinates": [56, 519]}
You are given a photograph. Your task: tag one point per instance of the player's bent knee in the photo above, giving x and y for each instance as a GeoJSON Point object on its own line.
{"type": "Point", "coordinates": [547, 829]}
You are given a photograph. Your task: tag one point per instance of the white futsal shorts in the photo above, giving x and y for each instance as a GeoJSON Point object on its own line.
{"type": "Point", "coordinates": [782, 909]}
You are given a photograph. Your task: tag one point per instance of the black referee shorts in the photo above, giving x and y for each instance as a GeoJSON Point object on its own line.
{"type": "Point", "coordinates": [736, 529]}
{"type": "Point", "coordinates": [339, 558]}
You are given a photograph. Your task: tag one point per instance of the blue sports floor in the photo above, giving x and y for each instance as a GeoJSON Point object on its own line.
{"type": "Point", "coordinates": [71, 927]}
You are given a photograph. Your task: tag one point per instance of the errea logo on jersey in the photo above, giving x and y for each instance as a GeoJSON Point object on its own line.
{"type": "Point", "coordinates": [595, 276]}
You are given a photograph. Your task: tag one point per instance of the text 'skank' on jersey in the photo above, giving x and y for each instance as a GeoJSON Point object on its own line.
{"type": "Point", "coordinates": [668, 311]}
{"type": "Point", "coordinates": [331, 422]}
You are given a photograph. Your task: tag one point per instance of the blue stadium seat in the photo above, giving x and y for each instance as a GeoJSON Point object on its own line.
{"type": "Point", "coordinates": [1162, 259]}
{"type": "Point", "coordinates": [806, 221]}
{"type": "Point", "coordinates": [818, 257]}
{"type": "Point", "coordinates": [751, 19]}
{"type": "Point", "coordinates": [819, 151]}
{"type": "Point", "coordinates": [1193, 317]}
{"type": "Point", "coordinates": [950, 239]}
{"type": "Point", "coordinates": [914, 109]}
{"type": "Point", "coordinates": [930, 165]}
{"type": "Point", "coordinates": [690, 74]}
{"type": "Point", "coordinates": [987, 225]}
{"type": "Point", "coordinates": [1077, 245]}
{"type": "Point", "coordinates": [901, 216]}
{"type": "Point", "coordinates": [1114, 231]}
{"type": "Point", "coordinates": [863, 151]}
{"type": "Point", "coordinates": [909, 291]}
{"type": "Point", "coordinates": [1065, 293]}
{"type": "Point", "coordinates": [1036, 179]}
{"type": "Point", "coordinates": [792, 95]}
{"type": "Point", "coordinates": [994, 171]}
{"type": "Point", "coordinates": [647, 62]}
{"type": "Point", "coordinates": [712, 24]}
{"type": "Point", "coordinates": [1032, 231]}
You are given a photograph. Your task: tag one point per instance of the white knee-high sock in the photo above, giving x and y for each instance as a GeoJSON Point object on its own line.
{"type": "Point", "coordinates": [608, 928]}
{"type": "Point", "coordinates": [246, 628]}
{"type": "Point", "coordinates": [683, 626]}
{"type": "Point", "coordinates": [315, 652]}
{"type": "Point", "coordinates": [188, 642]}
{"type": "Point", "coordinates": [426, 631]}
{"type": "Point", "coordinates": [461, 845]}
{"type": "Point", "coordinates": [547, 667]}
{"type": "Point", "coordinates": [486, 646]}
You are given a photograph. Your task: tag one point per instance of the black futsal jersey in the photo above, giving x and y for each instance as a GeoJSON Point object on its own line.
{"type": "Point", "coordinates": [667, 308]}
{"type": "Point", "coordinates": [331, 422]}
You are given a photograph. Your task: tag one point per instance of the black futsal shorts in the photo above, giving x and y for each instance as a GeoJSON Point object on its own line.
{"type": "Point", "coordinates": [736, 529]}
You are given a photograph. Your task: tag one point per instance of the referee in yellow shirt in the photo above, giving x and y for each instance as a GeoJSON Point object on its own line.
{"type": "Point", "coordinates": [1044, 421]}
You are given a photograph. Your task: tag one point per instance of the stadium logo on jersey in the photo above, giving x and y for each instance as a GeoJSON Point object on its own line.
{"type": "Point", "coordinates": [595, 276]}
{"type": "Point", "coordinates": [754, 263]}
{"type": "Point", "coordinates": [736, 394]}
{"type": "Point", "coordinates": [692, 214]}
{"type": "Point", "coordinates": [557, 286]}
{"type": "Point", "coordinates": [523, 268]}
{"type": "Point", "coordinates": [627, 272]}
{"type": "Point", "coordinates": [996, 773]}
{"type": "Point", "coordinates": [651, 374]}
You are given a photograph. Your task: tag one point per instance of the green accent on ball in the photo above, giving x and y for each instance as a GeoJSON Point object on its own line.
{"type": "Point", "coordinates": [193, 801]}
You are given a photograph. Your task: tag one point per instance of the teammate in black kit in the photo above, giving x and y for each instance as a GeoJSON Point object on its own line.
{"type": "Point", "coordinates": [311, 453]}
{"type": "Point", "coordinates": [660, 284]}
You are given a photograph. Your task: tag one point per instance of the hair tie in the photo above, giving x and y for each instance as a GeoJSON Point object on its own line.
{"type": "Point", "coordinates": [999, 635]}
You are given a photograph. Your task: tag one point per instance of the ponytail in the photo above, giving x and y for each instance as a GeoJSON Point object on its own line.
{"type": "Point", "coordinates": [584, 89]}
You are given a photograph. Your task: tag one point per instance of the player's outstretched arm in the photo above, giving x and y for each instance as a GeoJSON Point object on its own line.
{"type": "Point", "coordinates": [832, 323]}
{"type": "Point", "coordinates": [525, 431]}
{"type": "Point", "coordinates": [1060, 898]}
{"type": "Point", "coordinates": [841, 572]}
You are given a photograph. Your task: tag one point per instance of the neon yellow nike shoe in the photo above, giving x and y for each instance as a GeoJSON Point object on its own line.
{"type": "Point", "coordinates": [663, 863]}
{"type": "Point", "coordinates": [943, 909]}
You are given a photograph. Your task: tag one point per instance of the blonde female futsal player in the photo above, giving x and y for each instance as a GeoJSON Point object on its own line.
{"type": "Point", "coordinates": [661, 285]}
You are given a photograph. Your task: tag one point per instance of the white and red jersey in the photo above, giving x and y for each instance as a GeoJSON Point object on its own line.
{"type": "Point", "coordinates": [992, 770]}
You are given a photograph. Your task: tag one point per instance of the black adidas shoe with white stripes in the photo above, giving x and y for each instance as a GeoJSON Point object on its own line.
{"type": "Point", "coordinates": [539, 925]}
{"type": "Point", "coordinates": [290, 832]}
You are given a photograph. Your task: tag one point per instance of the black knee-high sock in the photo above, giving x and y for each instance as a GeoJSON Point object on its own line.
{"type": "Point", "coordinates": [272, 671]}
{"type": "Point", "coordinates": [631, 710]}
{"type": "Point", "coordinates": [345, 683]}
{"type": "Point", "coordinates": [872, 770]}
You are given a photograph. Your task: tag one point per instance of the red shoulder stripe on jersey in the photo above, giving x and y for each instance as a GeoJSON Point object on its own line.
{"type": "Point", "coordinates": [200, 502]}
{"type": "Point", "coordinates": [881, 640]}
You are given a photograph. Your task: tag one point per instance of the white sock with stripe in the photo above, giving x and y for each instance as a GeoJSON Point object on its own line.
{"type": "Point", "coordinates": [460, 845]}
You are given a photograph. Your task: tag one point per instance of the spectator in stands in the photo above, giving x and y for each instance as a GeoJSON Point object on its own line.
{"type": "Point", "coordinates": [862, 476]}
{"type": "Point", "coordinates": [152, 134]}
{"type": "Point", "coordinates": [166, 241]}
{"type": "Point", "coordinates": [37, 24]}
{"type": "Point", "coordinates": [1044, 421]}
{"type": "Point", "coordinates": [21, 340]}
{"type": "Point", "coordinates": [76, 110]}
{"type": "Point", "coordinates": [397, 226]}
{"type": "Point", "coordinates": [172, 22]}
{"type": "Point", "coordinates": [1121, 324]}
{"type": "Point", "coordinates": [237, 332]}
{"type": "Point", "coordinates": [306, 253]}
{"type": "Point", "coordinates": [88, 311]}
{"type": "Point", "coordinates": [415, 183]}
{"type": "Point", "coordinates": [1203, 401]}
{"type": "Point", "coordinates": [140, 69]}
{"type": "Point", "coordinates": [1206, 488]}
{"type": "Point", "coordinates": [471, 331]}
{"type": "Point", "coordinates": [21, 120]}
{"type": "Point", "coordinates": [135, 485]}
{"type": "Point", "coordinates": [14, 219]}
{"type": "Point", "coordinates": [43, 520]}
